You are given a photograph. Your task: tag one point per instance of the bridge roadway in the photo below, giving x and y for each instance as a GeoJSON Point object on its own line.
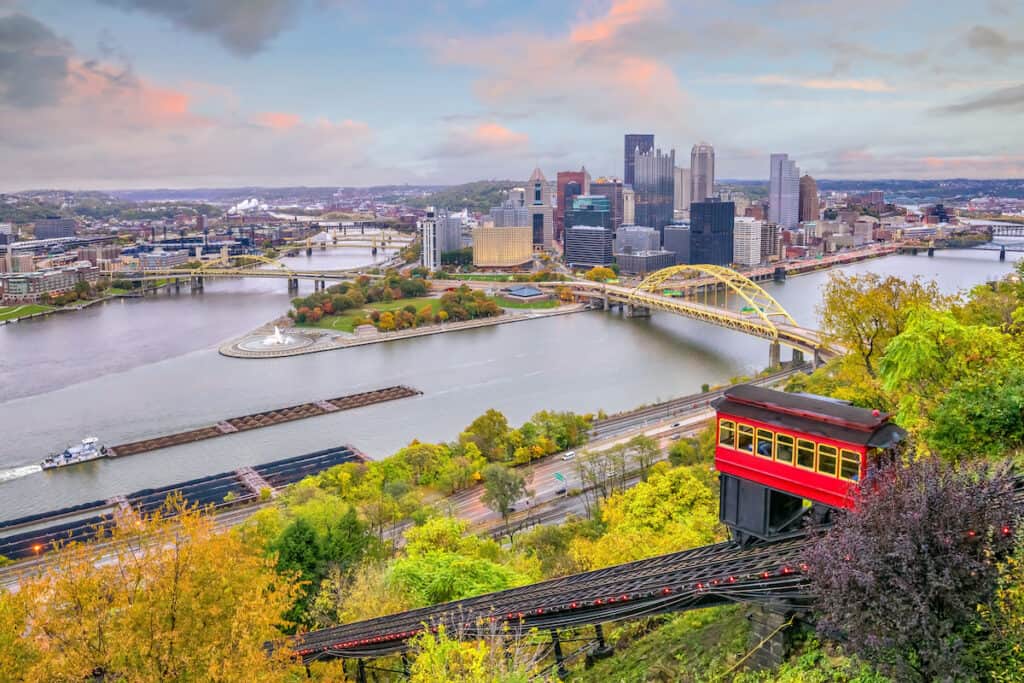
{"type": "Point", "coordinates": [796, 337]}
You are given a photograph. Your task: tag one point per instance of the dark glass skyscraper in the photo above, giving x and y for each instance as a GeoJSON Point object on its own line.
{"type": "Point", "coordinates": [711, 228]}
{"type": "Point", "coordinates": [642, 141]}
{"type": "Point", "coordinates": [654, 186]}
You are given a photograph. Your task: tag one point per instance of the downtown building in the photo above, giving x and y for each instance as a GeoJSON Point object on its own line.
{"type": "Point", "coordinates": [676, 240]}
{"type": "Point", "coordinates": [502, 247]}
{"type": "Point", "coordinates": [682, 193]}
{"type": "Point", "coordinates": [746, 245]}
{"type": "Point", "coordinates": [644, 262]}
{"type": "Point", "coordinates": [711, 232]}
{"type": "Point", "coordinates": [54, 226]}
{"type": "Point", "coordinates": [440, 233]}
{"type": "Point", "coordinates": [589, 239]}
{"type": "Point", "coordinates": [654, 188]}
{"type": "Point", "coordinates": [702, 172]}
{"type": "Point", "coordinates": [808, 199]}
{"type": "Point", "coordinates": [617, 195]}
{"type": "Point", "coordinates": [634, 143]}
{"type": "Point", "coordinates": [538, 204]}
{"type": "Point", "coordinates": [568, 184]}
{"type": "Point", "coordinates": [784, 192]}
{"type": "Point", "coordinates": [632, 238]}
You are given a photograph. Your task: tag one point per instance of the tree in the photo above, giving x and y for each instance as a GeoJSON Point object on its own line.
{"type": "Point", "coordinates": [997, 648]}
{"type": "Point", "coordinates": [864, 312]}
{"type": "Point", "coordinates": [439, 657]}
{"type": "Point", "coordinates": [490, 434]}
{"type": "Point", "coordinates": [387, 322]}
{"type": "Point", "coordinates": [901, 575]}
{"type": "Point", "coordinates": [683, 452]}
{"type": "Point", "coordinates": [644, 452]}
{"type": "Point", "coordinates": [195, 605]}
{"type": "Point", "coordinates": [600, 274]}
{"type": "Point", "coordinates": [502, 487]}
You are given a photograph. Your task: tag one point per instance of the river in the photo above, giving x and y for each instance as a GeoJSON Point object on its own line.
{"type": "Point", "coordinates": [130, 369]}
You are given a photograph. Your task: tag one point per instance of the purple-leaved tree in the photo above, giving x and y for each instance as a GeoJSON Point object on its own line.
{"type": "Point", "coordinates": [899, 578]}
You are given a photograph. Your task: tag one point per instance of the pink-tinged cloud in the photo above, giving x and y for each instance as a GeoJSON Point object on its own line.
{"type": "Point", "coordinates": [497, 135]}
{"type": "Point", "coordinates": [279, 120]}
{"type": "Point", "coordinates": [622, 13]}
{"type": "Point", "coordinates": [862, 85]}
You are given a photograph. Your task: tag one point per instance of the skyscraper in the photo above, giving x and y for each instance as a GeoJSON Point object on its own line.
{"type": "Point", "coordinates": [513, 212]}
{"type": "Point", "coordinates": [569, 184]}
{"type": "Point", "coordinates": [808, 199]}
{"type": "Point", "coordinates": [654, 187]}
{"type": "Point", "coordinates": [784, 192]}
{"type": "Point", "coordinates": [711, 232]}
{"type": "Point", "coordinates": [634, 141]}
{"type": "Point", "coordinates": [538, 203]}
{"type": "Point", "coordinates": [682, 189]}
{"type": "Point", "coordinates": [746, 249]}
{"type": "Point", "coordinates": [430, 257]}
{"type": "Point", "coordinates": [613, 189]}
{"type": "Point", "coordinates": [702, 172]}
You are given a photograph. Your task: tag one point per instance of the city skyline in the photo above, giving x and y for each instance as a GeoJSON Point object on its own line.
{"type": "Point", "coordinates": [107, 94]}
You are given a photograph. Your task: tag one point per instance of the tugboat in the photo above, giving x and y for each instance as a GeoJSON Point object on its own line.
{"type": "Point", "coordinates": [89, 449]}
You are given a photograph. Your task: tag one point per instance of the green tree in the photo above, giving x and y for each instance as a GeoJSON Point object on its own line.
{"type": "Point", "coordinates": [502, 488]}
{"type": "Point", "coordinates": [600, 274]}
{"type": "Point", "coordinates": [490, 434]}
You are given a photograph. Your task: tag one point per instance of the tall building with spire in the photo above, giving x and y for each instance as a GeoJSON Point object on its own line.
{"type": "Point", "coordinates": [568, 184]}
{"type": "Point", "coordinates": [538, 203]}
{"type": "Point", "coordinates": [702, 172]}
{"type": "Point", "coordinates": [633, 142]}
{"type": "Point", "coordinates": [808, 199]}
{"type": "Point", "coordinates": [784, 192]}
{"type": "Point", "coordinates": [654, 186]}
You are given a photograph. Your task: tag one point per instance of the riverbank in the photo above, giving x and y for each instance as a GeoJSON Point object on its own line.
{"type": "Point", "coordinates": [317, 341]}
{"type": "Point", "coordinates": [50, 310]}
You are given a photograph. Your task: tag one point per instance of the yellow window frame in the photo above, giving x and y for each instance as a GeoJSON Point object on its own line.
{"type": "Point", "coordinates": [823, 452]}
{"type": "Point", "coordinates": [780, 440]}
{"type": "Point", "coordinates": [722, 425]}
{"type": "Point", "coordinates": [803, 445]}
{"type": "Point", "coordinates": [740, 430]}
{"type": "Point", "coordinates": [767, 435]}
{"type": "Point", "coordinates": [847, 456]}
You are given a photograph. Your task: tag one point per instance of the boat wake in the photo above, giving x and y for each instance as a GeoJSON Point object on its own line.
{"type": "Point", "coordinates": [18, 472]}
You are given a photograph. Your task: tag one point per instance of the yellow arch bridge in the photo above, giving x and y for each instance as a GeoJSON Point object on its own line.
{"type": "Point", "coordinates": [715, 295]}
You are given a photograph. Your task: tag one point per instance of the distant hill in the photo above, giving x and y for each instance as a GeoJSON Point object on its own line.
{"type": "Point", "coordinates": [477, 196]}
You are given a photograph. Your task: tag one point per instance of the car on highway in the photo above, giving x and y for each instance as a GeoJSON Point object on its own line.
{"type": "Point", "coordinates": [675, 437]}
{"type": "Point", "coordinates": [568, 455]}
{"type": "Point", "coordinates": [676, 424]}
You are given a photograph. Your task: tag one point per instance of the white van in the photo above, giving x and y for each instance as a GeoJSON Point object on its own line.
{"type": "Point", "coordinates": [568, 455]}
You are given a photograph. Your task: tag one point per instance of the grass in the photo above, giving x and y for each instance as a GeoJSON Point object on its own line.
{"type": "Point", "coordinates": [482, 277]}
{"type": "Point", "coordinates": [12, 312]}
{"type": "Point", "coordinates": [693, 646]}
{"type": "Point", "coordinates": [513, 303]}
{"type": "Point", "coordinates": [346, 322]}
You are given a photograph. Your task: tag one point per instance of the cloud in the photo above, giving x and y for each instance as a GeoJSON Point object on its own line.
{"type": "Point", "coordinates": [1004, 99]}
{"type": "Point", "coordinates": [278, 120]}
{"type": "Point", "coordinates": [244, 28]}
{"type": "Point", "coordinates": [993, 44]}
{"type": "Point", "coordinates": [483, 139]}
{"type": "Point", "coordinates": [595, 70]}
{"type": "Point", "coordinates": [33, 62]}
{"type": "Point", "coordinates": [862, 85]}
{"type": "Point", "coordinates": [866, 163]}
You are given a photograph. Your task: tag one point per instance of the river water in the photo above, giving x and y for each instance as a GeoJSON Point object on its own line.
{"type": "Point", "coordinates": [130, 369]}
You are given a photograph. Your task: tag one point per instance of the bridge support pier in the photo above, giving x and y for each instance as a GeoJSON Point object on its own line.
{"type": "Point", "coordinates": [293, 285]}
{"type": "Point", "coordinates": [563, 673]}
{"type": "Point", "coordinates": [177, 285]}
{"type": "Point", "coordinates": [931, 251]}
{"type": "Point", "coordinates": [1002, 253]}
{"type": "Point", "coordinates": [798, 357]}
{"type": "Point", "coordinates": [602, 650]}
{"type": "Point", "coordinates": [769, 629]}
{"type": "Point", "coordinates": [775, 355]}
{"type": "Point", "coordinates": [638, 312]}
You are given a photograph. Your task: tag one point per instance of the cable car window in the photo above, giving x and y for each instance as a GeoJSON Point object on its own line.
{"type": "Point", "coordinates": [805, 453]}
{"type": "Point", "coordinates": [827, 459]}
{"type": "Point", "coordinates": [727, 433]}
{"type": "Point", "coordinates": [764, 443]}
{"type": "Point", "coordinates": [784, 448]}
{"type": "Point", "coordinates": [745, 438]}
{"type": "Point", "coordinates": [849, 465]}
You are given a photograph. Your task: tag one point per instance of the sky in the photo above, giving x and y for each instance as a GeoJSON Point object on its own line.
{"type": "Point", "coordinates": [118, 94]}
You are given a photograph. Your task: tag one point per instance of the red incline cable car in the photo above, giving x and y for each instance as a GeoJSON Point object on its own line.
{"type": "Point", "coordinates": [781, 456]}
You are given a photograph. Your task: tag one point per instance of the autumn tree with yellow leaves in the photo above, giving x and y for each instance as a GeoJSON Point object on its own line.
{"type": "Point", "coordinates": [164, 598]}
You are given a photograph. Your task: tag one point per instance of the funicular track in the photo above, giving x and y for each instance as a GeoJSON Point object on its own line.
{"type": "Point", "coordinates": [700, 577]}
{"type": "Point", "coordinates": [764, 573]}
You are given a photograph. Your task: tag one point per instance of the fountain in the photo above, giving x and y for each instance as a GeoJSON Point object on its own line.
{"type": "Point", "coordinates": [277, 339]}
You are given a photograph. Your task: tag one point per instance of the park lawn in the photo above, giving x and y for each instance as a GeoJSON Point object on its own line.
{"type": "Point", "coordinates": [513, 303]}
{"type": "Point", "coordinates": [483, 277]}
{"type": "Point", "coordinates": [12, 312]}
{"type": "Point", "coordinates": [346, 322]}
